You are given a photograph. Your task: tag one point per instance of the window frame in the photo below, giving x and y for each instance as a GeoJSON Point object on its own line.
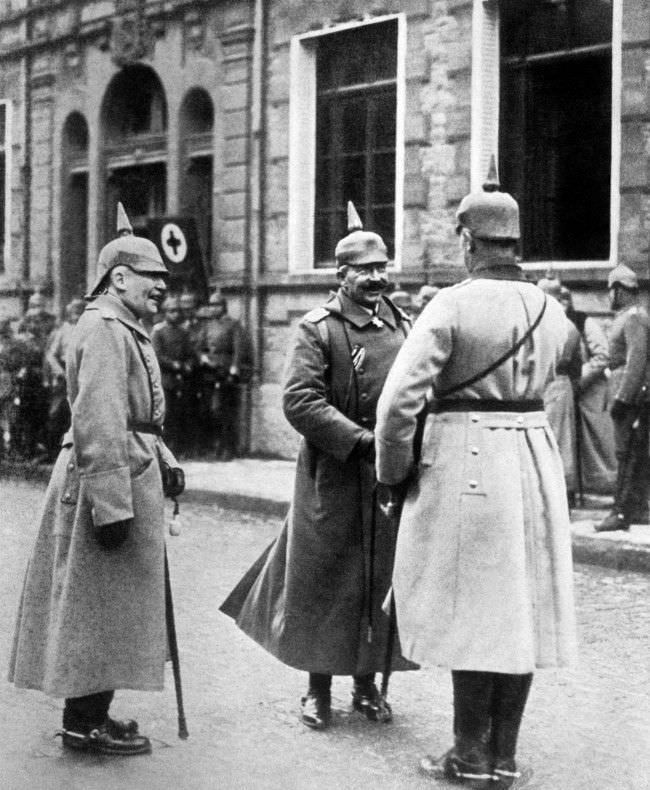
{"type": "Point", "coordinates": [485, 120]}
{"type": "Point", "coordinates": [7, 146]}
{"type": "Point", "coordinates": [302, 144]}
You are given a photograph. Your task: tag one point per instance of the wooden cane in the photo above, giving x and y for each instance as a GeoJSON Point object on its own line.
{"type": "Point", "coordinates": [173, 651]}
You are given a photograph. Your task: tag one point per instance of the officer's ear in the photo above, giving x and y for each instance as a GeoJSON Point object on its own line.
{"type": "Point", "coordinates": [118, 277]}
{"type": "Point", "coordinates": [467, 240]}
{"type": "Point", "coordinates": [341, 272]}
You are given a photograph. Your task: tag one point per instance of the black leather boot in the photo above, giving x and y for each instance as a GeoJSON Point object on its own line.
{"type": "Point", "coordinates": [366, 699]}
{"type": "Point", "coordinates": [316, 705]}
{"type": "Point", "coordinates": [468, 762]}
{"type": "Point", "coordinates": [509, 701]}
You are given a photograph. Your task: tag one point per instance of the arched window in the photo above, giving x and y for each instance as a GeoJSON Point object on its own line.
{"type": "Point", "coordinates": [134, 127]}
{"type": "Point", "coordinates": [196, 126]}
{"type": "Point", "coordinates": [74, 206]}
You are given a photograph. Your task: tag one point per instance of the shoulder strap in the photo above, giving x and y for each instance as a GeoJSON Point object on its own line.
{"type": "Point", "coordinates": [503, 358]}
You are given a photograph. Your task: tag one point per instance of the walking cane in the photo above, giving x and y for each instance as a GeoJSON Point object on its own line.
{"type": "Point", "coordinates": [392, 509]}
{"type": "Point", "coordinates": [173, 651]}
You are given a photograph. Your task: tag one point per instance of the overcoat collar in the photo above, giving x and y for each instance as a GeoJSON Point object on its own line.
{"type": "Point", "coordinates": [341, 304]}
{"type": "Point", "coordinates": [502, 272]}
{"type": "Point", "coordinates": [110, 306]}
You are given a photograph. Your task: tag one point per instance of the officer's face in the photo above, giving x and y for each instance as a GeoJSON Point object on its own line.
{"type": "Point", "coordinates": [143, 292]}
{"type": "Point", "coordinates": [364, 284]}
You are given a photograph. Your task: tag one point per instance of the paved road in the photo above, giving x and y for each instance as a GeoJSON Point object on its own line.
{"type": "Point", "coordinates": [584, 729]}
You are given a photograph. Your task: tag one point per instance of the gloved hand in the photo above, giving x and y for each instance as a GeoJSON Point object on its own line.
{"type": "Point", "coordinates": [619, 409]}
{"type": "Point", "coordinates": [113, 535]}
{"type": "Point", "coordinates": [366, 447]}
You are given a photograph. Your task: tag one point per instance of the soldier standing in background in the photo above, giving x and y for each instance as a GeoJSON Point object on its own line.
{"type": "Point", "coordinates": [559, 395]}
{"type": "Point", "coordinates": [58, 415]}
{"type": "Point", "coordinates": [177, 360]}
{"type": "Point", "coordinates": [314, 598]}
{"type": "Point", "coordinates": [189, 303]}
{"type": "Point", "coordinates": [484, 538]}
{"type": "Point", "coordinates": [92, 613]}
{"type": "Point", "coordinates": [629, 344]}
{"type": "Point", "coordinates": [220, 344]}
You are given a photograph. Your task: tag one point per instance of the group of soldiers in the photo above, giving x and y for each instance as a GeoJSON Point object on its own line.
{"type": "Point", "coordinates": [34, 411]}
{"type": "Point", "coordinates": [205, 358]}
{"type": "Point", "coordinates": [429, 522]}
{"type": "Point", "coordinates": [204, 355]}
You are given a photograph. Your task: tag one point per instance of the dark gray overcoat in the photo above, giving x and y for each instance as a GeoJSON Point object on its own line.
{"type": "Point", "coordinates": [313, 599]}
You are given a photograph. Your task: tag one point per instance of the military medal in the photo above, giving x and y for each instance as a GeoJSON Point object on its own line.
{"type": "Point", "coordinates": [376, 321]}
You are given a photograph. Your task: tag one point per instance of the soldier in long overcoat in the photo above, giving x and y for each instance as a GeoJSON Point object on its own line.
{"type": "Point", "coordinates": [92, 612]}
{"type": "Point", "coordinates": [314, 598]}
{"type": "Point", "coordinates": [629, 389]}
{"type": "Point", "coordinates": [483, 577]}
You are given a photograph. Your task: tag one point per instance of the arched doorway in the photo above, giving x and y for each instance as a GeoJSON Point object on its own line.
{"type": "Point", "coordinates": [196, 128]}
{"type": "Point", "coordinates": [74, 208]}
{"type": "Point", "coordinates": [134, 125]}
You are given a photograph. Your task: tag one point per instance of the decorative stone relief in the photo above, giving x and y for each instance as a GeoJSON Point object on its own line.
{"type": "Point", "coordinates": [194, 30]}
{"type": "Point", "coordinates": [132, 37]}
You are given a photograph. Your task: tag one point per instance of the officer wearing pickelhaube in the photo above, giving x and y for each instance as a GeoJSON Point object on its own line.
{"type": "Point", "coordinates": [315, 600]}
{"type": "Point", "coordinates": [92, 613]}
{"type": "Point", "coordinates": [629, 389]}
{"type": "Point", "coordinates": [484, 537]}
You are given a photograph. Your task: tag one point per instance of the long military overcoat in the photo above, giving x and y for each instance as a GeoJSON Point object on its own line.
{"type": "Point", "coordinates": [483, 576]}
{"type": "Point", "coordinates": [314, 598]}
{"type": "Point", "coordinates": [92, 619]}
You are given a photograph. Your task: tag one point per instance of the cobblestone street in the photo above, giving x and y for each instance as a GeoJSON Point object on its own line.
{"type": "Point", "coordinates": [586, 728]}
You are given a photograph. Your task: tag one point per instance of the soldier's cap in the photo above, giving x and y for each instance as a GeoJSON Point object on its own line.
{"type": "Point", "coordinates": [360, 247]}
{"type": "Point", "coordinates": [624, 276]}
{"type": "Point", "coordinates": [490, 213]}
{"type": "Point", "coordinates": [135, 252]}
{"type": "Point", "coordinates": [550, 284]}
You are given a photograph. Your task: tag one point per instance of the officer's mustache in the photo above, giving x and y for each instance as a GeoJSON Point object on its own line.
{"type": "Point", "coordinates": [380, 283]}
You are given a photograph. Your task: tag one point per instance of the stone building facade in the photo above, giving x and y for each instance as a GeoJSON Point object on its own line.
{"type": "Point", "coordinates": [260, 118]}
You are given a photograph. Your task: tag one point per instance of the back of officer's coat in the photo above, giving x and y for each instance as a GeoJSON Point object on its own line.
{"type": "Point", "coordinates": [92, 619]}
{"type": "Point", "coordinates": [482, 576]}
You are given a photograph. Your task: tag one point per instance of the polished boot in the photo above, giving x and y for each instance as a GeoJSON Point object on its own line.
{"type": "Point", "coordinates": [508, 703]}
{"type": "Point", "coordinates": [613, 522]}
{"type": "Point", "coordinates": [367, 700]}
{"type": "Point", "coordinates": [87, 727]}
{"type": "Point", "coordinates": [316, 705]}
{"type": "Point", "coordinates": [468, 762]}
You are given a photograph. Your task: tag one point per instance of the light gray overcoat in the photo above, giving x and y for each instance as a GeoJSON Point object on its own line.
{"type": "Point", "coordinates": [92, 619]}
{"type": "Point", "coordinates": [482, 576]}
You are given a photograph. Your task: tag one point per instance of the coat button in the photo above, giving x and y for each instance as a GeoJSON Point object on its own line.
{"type": "Point", "coordinates": [520, 420]}
{"type": "Point", "coordinates": [364, 396]}
{"type": "Point", "coordinates": [67, 497]}
{"type": "Point", "coordinates": [474, 451]}
{"type": "Point", "coordinates": [475, 418]}
{"type": "Point", "coordinates": [473, 484]}
{"type": "Point", "coordinates": [71, 466]}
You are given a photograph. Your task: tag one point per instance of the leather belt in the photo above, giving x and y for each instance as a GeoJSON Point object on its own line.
{"type": "Point", "coordinates": [484, 404]}
{"type": "Point", "coordinates": [144, 427]}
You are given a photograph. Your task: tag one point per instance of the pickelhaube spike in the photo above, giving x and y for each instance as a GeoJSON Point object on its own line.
{"type": "Point", "coordinates": [354, 220]}
{"type": "Point", "coordinates": [124, 227]}
{"type": "Point", "coordinates": [491, 183]}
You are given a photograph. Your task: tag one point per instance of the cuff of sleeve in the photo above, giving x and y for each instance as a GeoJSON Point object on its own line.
{"type": "Point", "coordinates": [109, 495]}
{"type": "Point", "coordinates": [394, 462]}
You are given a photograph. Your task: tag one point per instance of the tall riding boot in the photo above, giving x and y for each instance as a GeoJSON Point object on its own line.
{"type": "Point", "coordinates": [316, 705]}
{"type": "Point", "coordinates": [618, 517]}
{"type": "Point", "coordinates": [509, 701]}
{"type": "Point", "coordinates": [468, 762]}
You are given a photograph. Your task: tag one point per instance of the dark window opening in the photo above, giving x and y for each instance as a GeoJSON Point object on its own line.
{"type": "Point", "coordinates": [555, 125]}
{"type": "Point", "coordinates": [355, 134]}
{"type": "Point", "coordinates": [3, 182]}
{"type": "Point", "coordinates": [143, 192]}
{"type": "Point", "coordinates": [135, 105]}
{"type": "Point", "coordinates": [196, 201]}
{"type": "Point", "coordinates": [74, 237]}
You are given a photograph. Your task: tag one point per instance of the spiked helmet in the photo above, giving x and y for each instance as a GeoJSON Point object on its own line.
{"type": "Point", "coordinates": [136, 252]}
{"type": "Point", "coordinates": [490, 213]}
{"type": "Point", "coordinates": [360, 246]}
{"type": "Point", "coordinates": [624, 276]}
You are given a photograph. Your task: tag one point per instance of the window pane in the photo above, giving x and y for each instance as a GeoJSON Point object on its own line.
{"type": "Point", "coordinates": [383, 188]}
{"type": "Point", "coordinates": [353, 179]}
{"type": "Point", "coordinates": [353, 125]}
{"type": "Point", "coordinates": [384, 129]}
{"type": "Point", "coordinates": [360, 55]}
{"type": "Point", "coordinates": [529, 28]}
{"type": "Point", "coordinates": [384, 224]}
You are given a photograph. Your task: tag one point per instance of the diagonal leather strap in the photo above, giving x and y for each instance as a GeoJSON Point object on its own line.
{"type": "Point", "coordinates": [503, 358]}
